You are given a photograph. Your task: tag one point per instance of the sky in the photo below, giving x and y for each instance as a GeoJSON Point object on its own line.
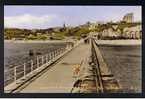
{"type": "Point", "coordinates": [32, 17]}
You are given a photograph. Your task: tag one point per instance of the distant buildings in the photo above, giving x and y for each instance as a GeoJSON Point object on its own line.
{"type": "Point", "coordinates": [133, 32]}
{"type": "Point", "coordinates": [94, 25]}
{"type": "Point", "coordinates": [110, 33]}
{"type": "Point", "coordinates": [128, 18]}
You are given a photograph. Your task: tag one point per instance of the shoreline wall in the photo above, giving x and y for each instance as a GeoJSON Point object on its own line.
{"type": "Point", "coordinates": [119, 42]}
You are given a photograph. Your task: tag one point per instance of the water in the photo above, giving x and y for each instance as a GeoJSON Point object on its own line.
{"type": "Point", "coordinates": [16, 54]}
{"type": "Point", "coordinates": [125, 64]}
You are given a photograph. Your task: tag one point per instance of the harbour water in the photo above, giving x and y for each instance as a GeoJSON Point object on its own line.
{"type": "Point", "coordinates": [16, 53]}
{"type": "Point", "coordinates": [125, 64]}
{"type": "Point", "coordinates": [123, 61]}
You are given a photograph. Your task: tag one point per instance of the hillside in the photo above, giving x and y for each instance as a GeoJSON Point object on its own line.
{"type": "Point", "coordinates": [59, 33]}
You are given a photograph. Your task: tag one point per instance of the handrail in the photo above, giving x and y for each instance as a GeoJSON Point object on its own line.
{"type": "Point", "coordinates": [34, 66]}
{"type": "Point", "coordinates": [40, 60]}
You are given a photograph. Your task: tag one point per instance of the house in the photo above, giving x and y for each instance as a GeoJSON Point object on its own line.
{"type": "Point", "coordinates": [133, 32]}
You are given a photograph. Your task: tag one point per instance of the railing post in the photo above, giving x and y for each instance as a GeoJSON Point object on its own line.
{"type": "Point", "coordinates": [15, 74]}
{"type": "Point", "coordinates": [68, 46]}
{"type": "Point", "coordinates": [52, 55]}
{"type": "Point", "coordinates": [24, 70]}
{"type": "Point", "coordinates": [62, 50]}
{"type": "Point", "coordinates": [59, 51]}
{"type": "Point", "coordinates": [49, 57]}
{"type": "Point", "coordinates": [56, 52]}
{"type": "Point", "coordinates": [37, 61]}
{"type": "Point", "coordinates": [31, 65]}
{"type": "Point", "coordinates": [65, 49]}
{"type": "Point", "coordinates": [42, 59]}
{"type": "Point", "coordinates": [46, 58]}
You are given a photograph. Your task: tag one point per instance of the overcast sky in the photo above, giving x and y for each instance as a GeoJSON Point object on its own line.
{"type": "Point", "coordinates": [50, 16]}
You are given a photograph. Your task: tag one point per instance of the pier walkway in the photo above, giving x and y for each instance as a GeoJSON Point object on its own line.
{"type": "Point", "coordinates": [81, 68]}
{"type": "Point", "coordinates": [59, 78]}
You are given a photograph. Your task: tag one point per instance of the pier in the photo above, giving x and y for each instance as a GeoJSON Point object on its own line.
{"type": "Point", "coordinates": [78, 68]}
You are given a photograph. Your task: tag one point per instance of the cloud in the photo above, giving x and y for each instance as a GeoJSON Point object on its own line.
{"type": "Point", "coordinates": [138, 14]}
{"type": "Point", "coordinates": [78, 17]}
{"type": "Point", "coordinates": [28, 20]}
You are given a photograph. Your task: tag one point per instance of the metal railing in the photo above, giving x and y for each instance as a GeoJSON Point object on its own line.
{"type": "Point", "coordinates": [21, 72]}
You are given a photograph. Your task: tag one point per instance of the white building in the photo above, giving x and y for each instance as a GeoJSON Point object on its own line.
{"type": "Point", "coordinates": [133, 32]}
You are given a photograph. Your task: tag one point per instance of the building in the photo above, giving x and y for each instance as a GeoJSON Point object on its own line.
{"type": "Point", "coordinates": [94, 25]}
{"type": "Point", "coordinates": [109, 33]}
{"type": "Point", "coordinates": [128, 18]}
{"type": "Point", "coordinates": [133, 32]}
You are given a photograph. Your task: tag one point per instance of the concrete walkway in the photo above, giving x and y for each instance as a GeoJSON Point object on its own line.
{"type": "Point", "coordinates": [59, 78]}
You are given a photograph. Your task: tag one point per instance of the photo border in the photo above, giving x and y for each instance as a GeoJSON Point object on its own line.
{"type": "Point", "coordinates": [68, 3]}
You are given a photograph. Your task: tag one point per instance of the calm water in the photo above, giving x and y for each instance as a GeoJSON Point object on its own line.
{"type": "Point", "coordinates": [124, 61]}
{"type": "Point", "coordinates": [17, 53]}
{"type": "Point", "coordinates": [125, 64]}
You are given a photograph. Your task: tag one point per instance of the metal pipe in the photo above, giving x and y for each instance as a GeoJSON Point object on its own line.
{"type": "Point", "coordinates": [31, 65]}
{"type": "Point", "coordinates": [24, 66]}
{"type": "Point", "coordinates": [15, 74]}
{"type": "Point", "coordinates": [42, 59]}
{"type": "Point", "coordinates": [37, 61]}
